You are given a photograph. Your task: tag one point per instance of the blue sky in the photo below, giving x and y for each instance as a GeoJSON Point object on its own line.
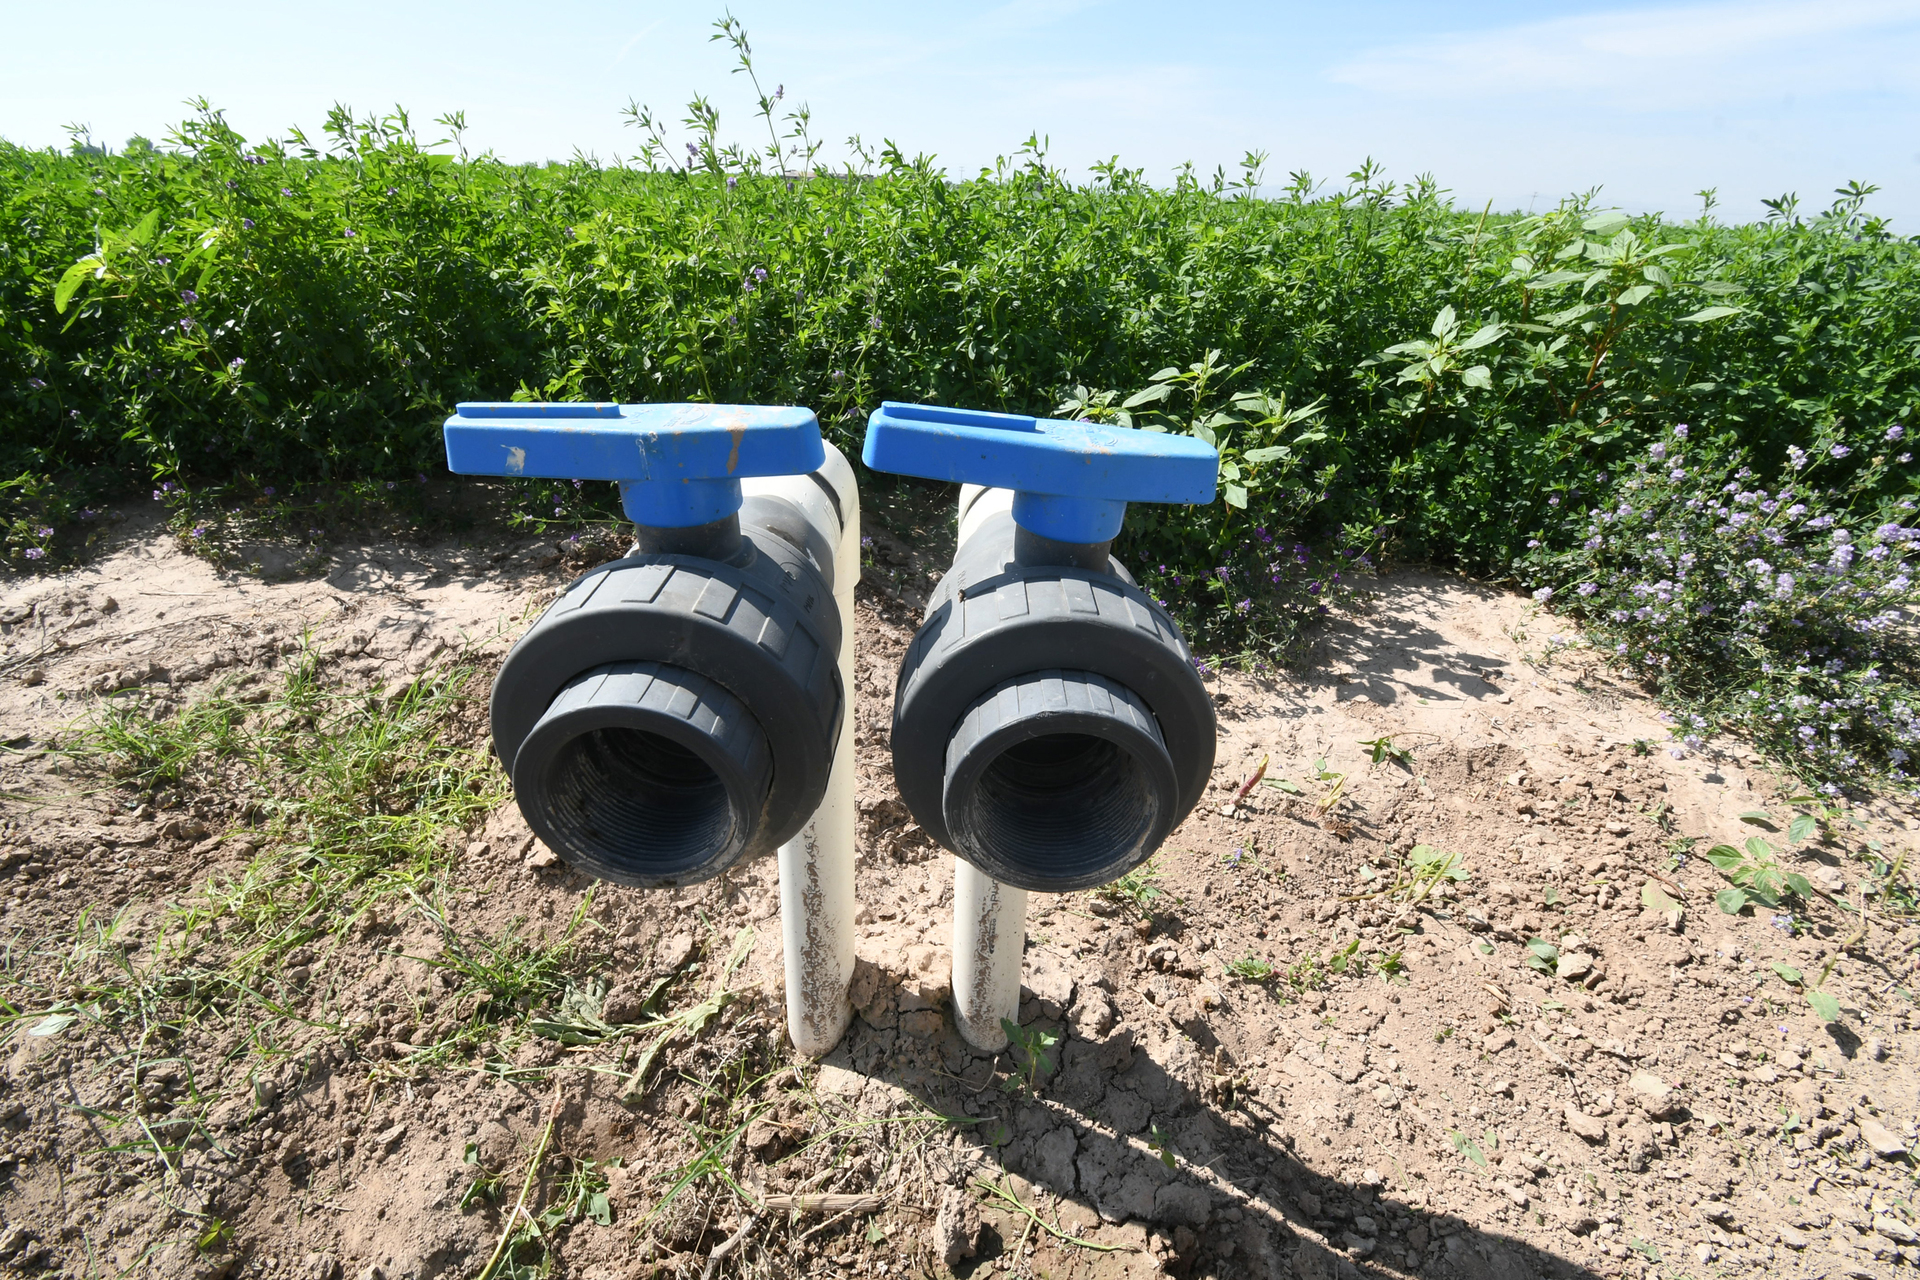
{"type": "Point", "coordinates": [1513, 103]}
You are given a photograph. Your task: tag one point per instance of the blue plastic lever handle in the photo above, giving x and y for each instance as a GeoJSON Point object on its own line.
{"type": "Point", "coordinates": [1072, 481]}
{"type": "Point", "coordinates": [678, 464]}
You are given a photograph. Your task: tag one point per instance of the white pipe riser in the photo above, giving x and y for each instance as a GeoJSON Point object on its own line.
{"type": "Point", "coordinates": [817, 905]}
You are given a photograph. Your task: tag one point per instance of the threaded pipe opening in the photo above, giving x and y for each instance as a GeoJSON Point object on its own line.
{"type": "Point", "coordinates": [1058, 780]}
{"type": "Point", "coordinates": [644, 774]}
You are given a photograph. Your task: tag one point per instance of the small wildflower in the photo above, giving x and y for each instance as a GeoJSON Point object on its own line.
{"type": "Point", "coordinates": [269, 491]}
{"type": "Point", "coordinates": [1839, 451]}
{"type": "Point", "coordinates": [1681, 431]}
{"type": "Point", "coordinates": [1895, 431]}
{"type": "Point", "coordinates": [33, 553]}
{"type": "Point", "coordinates": [1543, 595]}
{"type": "Point", "coordinates": [189, 297]}
{"type": "Point", "coordinates": [246, 224]}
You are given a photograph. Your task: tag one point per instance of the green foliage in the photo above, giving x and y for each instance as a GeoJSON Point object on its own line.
{"type": "Point", "coordinates": [1033, 1048]}
{"type": "Point", "coordinates": [1755, 875]}
{"type": "Point", "coordinates": [246, 320]}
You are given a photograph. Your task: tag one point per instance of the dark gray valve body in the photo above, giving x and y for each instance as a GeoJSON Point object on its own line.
{"type": "Point", "coordinates": [675, 712]}
{"type": "Point", "coordinates": [1049, 726]}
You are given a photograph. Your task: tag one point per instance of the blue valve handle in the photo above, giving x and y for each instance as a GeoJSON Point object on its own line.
{"type": "Point", "coordinates": [678, 465]}
{"type": "Point", "coordinates": [1072, 481]}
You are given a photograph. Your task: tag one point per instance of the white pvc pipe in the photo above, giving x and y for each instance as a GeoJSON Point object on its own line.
{"type": "Point", "coordinates": [989, 942]}
{"type": "Point", "coordinates": [816, 867]}
{"type": "Point", "coordinates": [989, 918]}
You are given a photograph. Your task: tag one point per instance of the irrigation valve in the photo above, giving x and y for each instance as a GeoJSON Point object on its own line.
{"type": "Point", "coordinates": [1049, 726]}
{"type": "Point", "coordinates": [682, 709]}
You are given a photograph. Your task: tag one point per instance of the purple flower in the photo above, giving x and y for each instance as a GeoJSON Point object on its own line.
{"type": "Point", "coordinates": [1543, 595]}
{"type": "Point", "coordinates": [268, 491]}
{"type": "Point", "coordinates": [838, 374]}
{"type": "Point", "coordinates": [1243, 606]}
{"type": "Point", "coordinates": [873, 322]}
{"type": "Point", "coordinates": [759, 273]}
{"type": "Point", "coordinates": [189, 297]}
{"type": "Point", "coordinates": [732, 182]}
{"type": "Point", "coordinates": [286, 191]}
{"type": "Point", "coordinates": [1681, 431]}
{"type": "Point", "coordinates": [1587, 588]}
{"type": "Point", "coordinates": [390, 484]}
{"type": "Point", "coordinates": [199, 531]}
{"type": "Point", "coordinates": [236, 364]}
{"type": "Point", "coordinates": [1554, 501]}
{"type": "Point", "coordinates": [747, 286]}
{"type": "Point", "coordinates": [33, 553]}
{"type": "Point", "coordinates": [1657, 452]}
{"type": "Point", "coordinates": [1676, 474]}
{"type": "Point", "coordinates": [1839, 451]}
{"type": "Point", "coordinates": [1895, 431]}
{"type": "Point", "coordinates": [247, 223]}
{"type": "Point", "coordinates": [351, 233]}
{"type": "Point", "coordinates": [1797, 456]}
{"type": "Point", "coordinates": [185, 323]}
{"type": "Point", "coordinates": [44, 531]}
{"type": "Point", "coordinates": [38, 384]}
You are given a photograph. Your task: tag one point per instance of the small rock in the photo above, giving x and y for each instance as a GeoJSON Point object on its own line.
{"type": "Point", "coordinates": [1877, 1049]}
{"type": "Point", "coordinates": [1515, 1194]}
{"type": "Point", "coordinates": [1093, 1013]}
{"type": "Point", "coordinates": [1654, 1095]}
{"type": "Point", "coordinates": [956, 1231]}
{"type": "Point", "coordinates": [390, 1138]}
{"type": "Point", "coordinates": [1182, 1204]}
{"type": "Point", "coordinates": [1497, 1041]}
{"type": "Point", "coordinates": [478, 848]}
{"type": "Point", "coordinates": [1793, 1238]}
{"type": "Point", "coordinates": [542, 858]}
{"type": "Point", "coordinates": [1894, 1229]}
{"type": "Point", "coordinates": [1386, 1097]}
{"type": "Point", "coordinates": [1574, 966]}
{"type": "Point", "coordinates": [1703, 1253]}
{"type": "Point", "coordinates": [1309, 1203]}
{"type": "Point", "coordinates": [674, 952]}
{"type": "Point", "coordinates": [1883, 1141]}
{"type": "Point", "coordinates": [1586, 1126]}
{"type": "Point", "coordinates": [1827, 879]}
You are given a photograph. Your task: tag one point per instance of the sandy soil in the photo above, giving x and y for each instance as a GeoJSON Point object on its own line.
{"type": "Point", "coordinates": [1402, 1095]}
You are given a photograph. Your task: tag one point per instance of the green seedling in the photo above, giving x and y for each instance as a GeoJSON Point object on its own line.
{"type": "Point", "coordinates": [1137, 890]}
{"type": "Point", "coordinates": [483, 1186]}
{"type": "Point", "coordinates": [1823, 818]}
{"type": "Point", "coordinates": [1467, 1147]}
{"type": "Point", "coordinates": [1541, 955]}
{"type": "Point", "coordinates": [1755, 877]}
{"type": "Point", "coordinates": [1250, 968]}
{"type": "Point", "coordinates": [1033, 1049]}
{"type": "Point", "coordinates": [1161, 1145]}
{"type": "Point", "coordinates": [1381, 749]}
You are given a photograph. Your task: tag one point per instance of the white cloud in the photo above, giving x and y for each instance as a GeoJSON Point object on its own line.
{"type": "Point", "coordinates": [1659, 59]}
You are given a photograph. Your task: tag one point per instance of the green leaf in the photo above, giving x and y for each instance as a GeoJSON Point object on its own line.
{"type": "Point", "coordinates": [1164, 375]}
{"type": "Point", "coordinates": [1478, 376]}
{"type": "Point", "coordinates": [1759, 818]}
{"type": "Point", "coordinates": [1204, 433]}
{"type": "Point", "coordinates": [1152, 395]}
{"type": "Point", "coordinates": [53, 1024]}
{"type": "Point", "coordinates": [1726, 857]}
{"type": "Point", "coordinates": [1633, 297]}
{"type": "Point", "coordinates": [600, 1208]}
{"type": "Point", "coordinates": [1798, 884]}
{"type": "Point", "coordinates": [1555, 278]}
{"type": "Point", "coordinates": [1484, 335]}
{"type": "Point", "coordinates": [1467, 1147]}
{"type": "Point", "coordinates": [1802, 827]}
{"type": "Point", "coordinates": [1730, 900]}
{"type": "Point", "coordinates": [1266, 454]}
{"type": "Point", "coordinates": [1825, 1005]}
{"type": "Point", "coordinates": [1711, 313]}
{"type": "Point", "coordinates": [1236, 496]}
{"type": "Point", "coordinates": [1787, 973]}
{"type": "Point", "coordinates": [1654, 898]}
{"type": "Point", "coordinates": [1606, 224]}
{"type": "Point", "coordinates": [1281, 784]}
{"type": "Point", "coordinates": [71, 281]}
{"type": "Point", "coordinates": [1759, 849]}
{"type": "Point", "coordinates": [1445, 324]}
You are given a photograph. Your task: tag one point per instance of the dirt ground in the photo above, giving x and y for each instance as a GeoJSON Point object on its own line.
{"type": "Point", "coordinates": [1271, 1057]}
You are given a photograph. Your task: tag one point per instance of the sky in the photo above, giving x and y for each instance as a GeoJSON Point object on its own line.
{"type": "Point", "coordinates": [1508, 103]}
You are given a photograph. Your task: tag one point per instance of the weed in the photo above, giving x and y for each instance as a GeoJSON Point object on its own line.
{"type": "Point", "coordinates": [1033, 1049]}
{"type": "Point", "coordinates": [1755, 875]}
{"type": "Point", "coordinates": [1381, 749]}
{"type": "Point", "coordinates": [1137, 890]}
{"type": "Point", "coordinates": [1249, 968]}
